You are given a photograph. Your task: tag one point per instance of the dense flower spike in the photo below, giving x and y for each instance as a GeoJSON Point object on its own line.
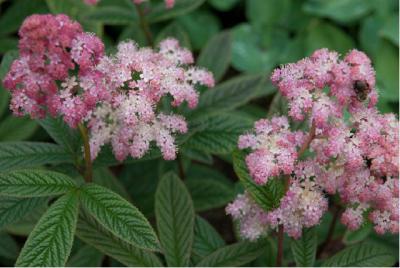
{"type": "Point", "coordinates": [274, 148]}
{"type": "Point", "coordinates": [138, 78]}
{"type": "Point", "coordinates": [356, 157]}
{"type": "Point", "coordinates": [252, 219]}
{"type": "Point", "coordinates": [52, 49]}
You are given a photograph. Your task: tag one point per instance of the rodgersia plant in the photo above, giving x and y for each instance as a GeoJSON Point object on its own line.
{"type": "Point", "coordinates": [348, 149]}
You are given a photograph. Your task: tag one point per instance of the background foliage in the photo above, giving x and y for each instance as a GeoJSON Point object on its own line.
{"type": "Point", "coordinates": [241, 42]}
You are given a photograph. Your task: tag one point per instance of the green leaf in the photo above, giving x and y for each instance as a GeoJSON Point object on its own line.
{"type": "Point", "coordinates": [86, 256]}
{"type": "Point", "coordinates": [267, 196]}
{"type": "Point", "coordinates": [218, 47]}
{"type": "Point", "coordinates": [233, 255]}
{"type": "Point", "coordinates": [159, 12]}
{"type": "Point", "coordinates": [94, 234]}
{"type": "Point", "coordinates": [113, 15]}
{"type": "Point", "coordinates": [206, 239]}
{"type": "Point", "coordinates": [391, 29]}
{"type": "Point", "coordinates": [13, 16]}
{"type": "Point", "coordinates": [13, 209]}
{"type": "Point", "coordinates": [325, 35]}
{"type": "Point", "coordinates": [258, 49]}
{"type": "Point", "coordinates": [72, 8]}
{"type": "Point", "coordinates": [351, 237]}
{"type": "Point", "coordinates": [218, 133]}
{"type": "Point", "coordinates": [118, 216]}
{"type": "Point", "coordinates": [208, 193]}
{"type": "Point", "coordinates": [369, 36]}
{"type": "Point", "coordinates": [8, 246]}
{"type": "Point", "coordinates": [194, 23]}
{"type": "Point", "coordinates": [304, 249]}
{"type": "Point", "coordinates": [15, 155]}
{"type": "Point", "coordinates": [223, 5]}
{"type": "Point", "coordinates": [271, 12]}
{"type": "Point", "coordinates": [32, 183]}
{"type": "Point", "coordinates": [50, 242]}
{"type": "Point", "coordinates": [8, 58]}
{"type": "Point", "coordinates": [342, 11]}
{"type": "Point", "coordinates": [387, 71]}
{"type": "Point", "coordinates": [104, 177]}
{"type": "Point", "coordinates": [17, 128]}
{"type": "Point", "coordinates": [176, 31]}
{"type": "Point", "coordinates": [175, 220]}
{"type": "Point", "coordinates": [230, 94]}
{"type": "Point", "coordinates": [7, 44]}
{"type": "Point", "coordinates": [362, 255]}
{"type": "Point", "coordinates": [62, 134]}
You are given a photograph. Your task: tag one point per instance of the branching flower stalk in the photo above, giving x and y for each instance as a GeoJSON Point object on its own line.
{"type": "Point", "coordinates": [88, 174]}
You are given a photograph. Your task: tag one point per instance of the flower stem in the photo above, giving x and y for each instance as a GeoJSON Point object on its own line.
{"type": "Point", "coordinates": [86, 147]}
{"type": "Point", "coordinates": [144, 25]}
{"type": "Point", "coordinates": [307, 142]}
{"type": "Point", "coordinates": [331, 231]}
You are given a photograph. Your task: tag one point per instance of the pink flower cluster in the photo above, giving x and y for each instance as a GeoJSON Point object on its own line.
{"type": "Point", "coordinates": [274, 148]}
{"type": "Point", "coordinates": [355, 157]}
{"type": "Point", "coordinates": [252, 218]}
{"type": "Point", "coordinates": [63, 71]}
{"type": "Point", "coordinates": [138, 78]}
{"type": "Point", "coordinates": [55, 51]}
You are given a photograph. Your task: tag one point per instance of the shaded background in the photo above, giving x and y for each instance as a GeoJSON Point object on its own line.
{"type": "Point", "coordinates": [263, 34]}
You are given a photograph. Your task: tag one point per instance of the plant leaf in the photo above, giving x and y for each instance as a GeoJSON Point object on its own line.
{"type": "Point", "coordinates": [159, 12]}
{"type": "Point", "coordinates": [17, 128]}
{"type": "Point", "coordinates": [267, 196]}
{"type": "Point", "coordinates": [362, 254]}
{"type": "Point", "coordinates": [118, 216]}
{"type": "Point", "coordinates": [104, 177]}
{"type": "Point", "coordinates": [8, 246]}
{"type": "Point", "coordinates": [218, 47]}
{"type": "Point", "coordinates": [15, 155]}
{"type": "Point", "coordinates": [208, 193]}
{"type": "Point", "coordinates": [218, 133]}
{"type": "Point", "coordinates": [233, 255]}
{"type": "Point", "coordinates": [86, 256]}
{"type": "Point", "coordinates": [113, 15]}
{"type": "Point", "coordinates": [176, 31]}
{"type": "Point", "coordinates": [32, 183]}
{"type": "Point", "coordinates": [51, 240]}
{"type": "Point", "coordinates": [13, 209]}
{"type": "Point", "coordinates": [61, 133]}
{"type": "Point", "coordinates": [175, 220]}
{"type": "Point", "coordinates": [230, 94]}
{"type": "Point", "coordinates": [206, 239]}
{"type": "Point", "coordinates": [304, 249]}
{"type": "Point", "coordinates": [94, 234]}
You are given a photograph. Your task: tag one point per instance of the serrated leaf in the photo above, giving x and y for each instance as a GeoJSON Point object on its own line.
{"type": "Point", "coordinates": [159, 12]}
{"type": "Point", "coordinates": [267, 196]}
{"type": "Point", "coordinates": [13, 209]}
{"type": "Point", "coordinates": [118, 216]}
{"type": "Point", "coordinates": [351, 237]}
{"type": "Point", "coordinates": [175, 220]}
{"type": "Point", "coordinates": [104, 177]}
{"type": "Point", "coordinates": [86, 256]}
{"type": "Point", "coordinates": [51, 240]}
{"type": "Point", "coordinates": [16, 155]}
{"type": "Point", "coordinates": [304, 249]}
{"type": "Point", "coordinates": [218, 47]}
{"type": "Point", "coordinates": [61, 133]}
{"type": "Point", "coordinates": [362, 255]}
{"type": "Point", "coordinates": [208, 193]}
{"type": "Point", "coordinates": [6, 61]}
{"type": "Point", "coordinates": [218, 133]}
{"type": "Point", "coordinates": [8, 246]}
{"type": "Point", "coordinates": [34, 183]}
{"type": "Point", "coordinates": [113, 15]}
{"type": "Point", "coordinates": [17, 128]}
{"type": "Point", "coordinates": [93, 233]}
{"type": "Point", "coordinates": [230, 94]}
{"type": "Point", "coordinates": [233, 255]}
{"type": "Point", "coordinates": [206, 239]}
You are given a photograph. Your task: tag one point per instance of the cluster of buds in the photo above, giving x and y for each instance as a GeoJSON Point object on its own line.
{"type": "Point", "coordinates": [355, 156]}
{"type": "Point", "coordinates": [62, 71]}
